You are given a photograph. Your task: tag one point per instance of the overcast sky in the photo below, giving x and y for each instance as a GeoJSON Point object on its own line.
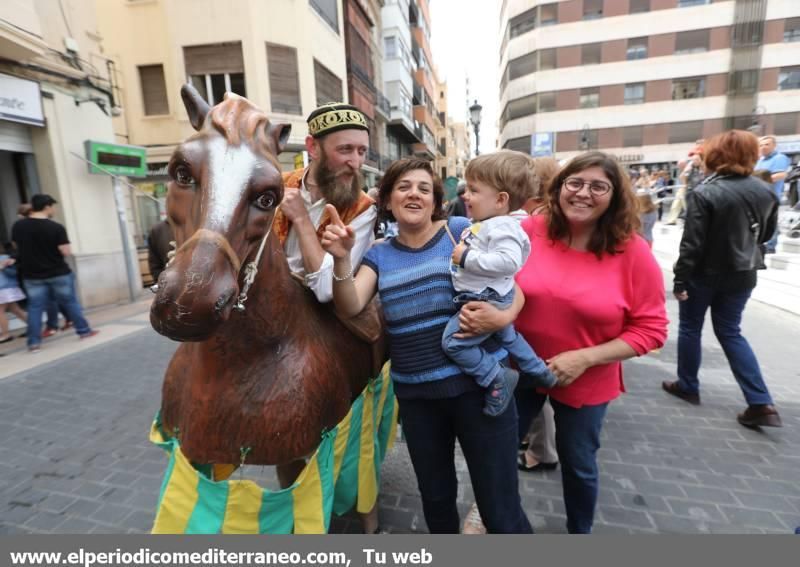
{"type": "Point", "coordinates": [464, 41]}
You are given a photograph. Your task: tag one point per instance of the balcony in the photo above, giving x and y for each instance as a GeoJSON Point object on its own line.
{"type": "Point", "coordinates": [442, 148]}
{"type": "Point", "coordinates": [443, 119]}
{"type": "Point", "coordinates": [382, 104]}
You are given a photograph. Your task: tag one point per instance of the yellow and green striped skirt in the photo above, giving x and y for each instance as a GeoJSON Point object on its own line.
{"type": "Point", "coordinates": [343, 473]}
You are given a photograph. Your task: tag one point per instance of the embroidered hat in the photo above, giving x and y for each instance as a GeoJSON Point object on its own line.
{"type": "Point", "coordinates": [335, 116]}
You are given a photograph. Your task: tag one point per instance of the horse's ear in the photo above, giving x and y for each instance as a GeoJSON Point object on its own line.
{"type": "Point", "coordinates": [196, 106]}
{"type": "Point", "coordinates": [279, 134]}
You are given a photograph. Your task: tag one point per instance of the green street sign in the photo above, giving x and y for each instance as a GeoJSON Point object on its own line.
{"type": "Point", "coordinates": [116, 158]}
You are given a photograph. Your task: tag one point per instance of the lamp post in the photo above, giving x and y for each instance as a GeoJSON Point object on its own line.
{"type": "Point", "coordinates": [475, 118]}
{"type": "Point", "coordinates": [757, 126]}
{"type": "Point", "coordinates": [585, 142]}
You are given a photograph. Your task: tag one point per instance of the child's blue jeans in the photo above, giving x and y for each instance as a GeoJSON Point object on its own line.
{"type": "Point", "coordinates": [473, 359]}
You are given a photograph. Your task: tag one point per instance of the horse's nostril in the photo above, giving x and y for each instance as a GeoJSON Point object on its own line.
{"type": "Point", "coordinates": [223, 301]}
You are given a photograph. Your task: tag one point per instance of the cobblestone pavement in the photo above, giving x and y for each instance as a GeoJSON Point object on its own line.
{"type": "Point", "coordinates": [75, 455]}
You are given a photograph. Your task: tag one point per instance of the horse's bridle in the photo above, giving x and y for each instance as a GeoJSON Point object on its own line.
{"type": "Point", "coordinates": [219, 240]}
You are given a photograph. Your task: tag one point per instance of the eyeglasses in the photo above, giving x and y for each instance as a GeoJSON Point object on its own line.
{"type": "Point", "coordinates": [596, 188]}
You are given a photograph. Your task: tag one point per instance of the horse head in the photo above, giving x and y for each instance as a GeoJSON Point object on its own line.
{"type": "Point", "coordinates": [225, 185]}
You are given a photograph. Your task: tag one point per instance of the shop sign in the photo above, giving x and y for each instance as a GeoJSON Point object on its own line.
{"type": "Point", "coordinates": [20, 101]}
{"type": "Point", "coordinates": [542, 144]}
{"type": "Point", "coordinates": [116, 159]}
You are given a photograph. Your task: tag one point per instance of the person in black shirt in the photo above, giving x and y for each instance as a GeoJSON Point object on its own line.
{"type": "Point", "coordinates": [42, 245]}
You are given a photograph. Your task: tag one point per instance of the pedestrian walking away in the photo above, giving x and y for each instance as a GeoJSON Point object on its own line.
{"type": "Point", "coordinates": [730, 218]}
{"type": "Point", "coordinates": [42, 246]}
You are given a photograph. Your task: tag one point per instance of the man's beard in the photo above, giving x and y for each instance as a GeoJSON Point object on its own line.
{"type": "Point", "coordinates": [338, 193]}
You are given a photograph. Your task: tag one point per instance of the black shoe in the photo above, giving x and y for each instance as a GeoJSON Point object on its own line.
{"type": "Point", "coordinates": [523, 465]}
{"type": "Point", "coordinates": [674, 389]}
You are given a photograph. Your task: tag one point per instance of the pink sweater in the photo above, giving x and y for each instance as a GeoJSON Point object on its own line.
{"type": "Point", "coordinates": [573, 300]}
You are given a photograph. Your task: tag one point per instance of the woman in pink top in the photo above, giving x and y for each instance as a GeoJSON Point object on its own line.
{"type": "Point", "coordinates": [594, 296]}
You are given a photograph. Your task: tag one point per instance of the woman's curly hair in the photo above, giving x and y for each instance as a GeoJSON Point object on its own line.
{"type": "Point", "coordinates": [620, 221]}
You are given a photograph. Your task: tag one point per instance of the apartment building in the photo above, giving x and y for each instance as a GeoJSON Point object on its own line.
{"type": "Point", "coordinates": [55, 94]}
{"type": "Point", "coordinates": [408, 79]}
{"type": "Point", "coordinates": [287, 57]}
{"type": "Point", "coordinates": [645, 79]}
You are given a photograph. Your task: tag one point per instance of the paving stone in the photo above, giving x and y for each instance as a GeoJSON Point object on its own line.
{"type": "Point", "coordinates": [648, 503]}
{"type": "Point", "coordinates": [111, 514]}
{"type": "Point", "coordinates": [57, 503]}
{"type": "Point", "coordinates": [754, 518]}
{"type": "Point", "coordinates": [709, 494]}
{"type": "Point", "coordinates": [769, 502]}
{"type": "Point", "coordinates": [626, 517]}
{"type": "Point", "coordinates": [697, 510]}
{"type": "Point", "coordinates": [44, 522]}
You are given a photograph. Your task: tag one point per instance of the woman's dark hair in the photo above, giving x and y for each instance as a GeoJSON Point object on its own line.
{"type": "Point", "coordinates": [734, 152]}
{"type": "Point", "coordinates": [616, 225]}
{"type": "Point", "coordinates": [393, 174]}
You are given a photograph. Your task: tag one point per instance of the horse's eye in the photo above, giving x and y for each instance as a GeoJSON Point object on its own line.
{"type": "Point", "coordinates": [265, 201]}
{"type": "Point", "coordinates": [183, 176]}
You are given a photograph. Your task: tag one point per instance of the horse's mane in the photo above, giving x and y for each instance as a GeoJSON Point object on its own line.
{"type": "Point", "coordinates": [239, 121]}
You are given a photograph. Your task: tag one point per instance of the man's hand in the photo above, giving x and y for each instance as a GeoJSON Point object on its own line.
{"type": "Point", "coordinates": [458, 252]}
{"type": "Point", "coordinates": [6, 263]}
{"type": "Point", "coordinates": [681, 295]}
{"type": "Point", "coordinates": [338, 239]}
{"type": "Point", "coordinates": [294, 207]}
{"type": "Point", "coordinates": [569, 366]}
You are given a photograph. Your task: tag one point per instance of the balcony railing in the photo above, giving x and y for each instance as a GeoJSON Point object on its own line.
{"type": "Point", "coordinates": [443, 119]}
{"type": "Point", "coordinates": [442, 148]}
{"type": "Point", "coordinates": [382, 103]}
{"type": "Point", "coordinates": [374, 157]}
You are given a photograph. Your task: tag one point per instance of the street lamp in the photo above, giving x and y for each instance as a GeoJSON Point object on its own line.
{"type": "Point", "coordinates": [585, 142]}
{"type": "Point", "coordinates": [757, 126]}
{"type": "Point", "coordinates": [475, 118]}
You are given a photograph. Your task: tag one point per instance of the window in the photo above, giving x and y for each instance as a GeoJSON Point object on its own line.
{"type": "Point", "coordinates": [154, 89]}
{"type": "Point", "coordinates": [522, 23]}
{"type": "Point", "coordinates": [284, 81]}
{"type": "Point", "coordinates": [685, 3]}
{"type": "Point", "coordinates": [592, 9]}
{"type": "Point", "coordinates": [632, 136]}
{"type": "Point", "coordinates": [692, 41]}
{"type": "Point", "coordinates": [590, 53]}
{"type": "Point", "coordinates": [519, 107]}
{"type": "Point", "coordinates": [329, 86]}
{"type": "Point", "coordinates": [688, 88]}
{"type": "Point", "coordinates": [522, 144]}
{"type": "Point", "coordinates": [522, 66]}
{"type": "Point", "coordinates": [683, 132]}
{"type": "Point", "coordinates": [744, 82]}
{"type": "Point", "coordinates": [390, 47]}
{"type": "Point", "coordinates": [638, 6]}
{"type": "Point", "coordinates": [634, 93]}
{"type": "Point", "coordinates": [791, 29]}
{"type": "Point", "coordinates": [637, 48]}
{"type": "Point", "coordinates": [214, 69]}
{"type": "Point", "coordinates": [747, 33]}
{"type": "Point", "coordinates": [547, 102]}
{"type": "Point", "coordinates": [589, 98]}
{"type": "Point", "coordinates": [329, 10]}
{"type": "Point", "coordinates": [789, 78]}
{"type": "Point", "coordinates": [786, 124]}
{"type": "Point", "coordinates": [548, 14]}
{"type": "Point", "coordinates": [547, 59]}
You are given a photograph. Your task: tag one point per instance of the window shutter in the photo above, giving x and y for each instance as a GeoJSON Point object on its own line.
{"type": "Point", "coordinates": [154, 89]}
{"type": "Point", "coordinates": [284, 83]}
{"type": "Point", "coordinates": [329, 86]}
{"type": "Point", "coordinates": [214, 59]}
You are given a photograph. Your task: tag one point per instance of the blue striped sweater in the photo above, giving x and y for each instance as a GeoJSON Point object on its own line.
{"type": "Point", "coordinates": [416, 292]}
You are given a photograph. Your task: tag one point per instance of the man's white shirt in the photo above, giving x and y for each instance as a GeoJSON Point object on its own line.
{"type": "Point", "coordinates": [321, 281]}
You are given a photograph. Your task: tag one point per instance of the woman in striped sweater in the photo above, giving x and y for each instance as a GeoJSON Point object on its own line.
{"type": "Point", "coordinates": [438, 404]}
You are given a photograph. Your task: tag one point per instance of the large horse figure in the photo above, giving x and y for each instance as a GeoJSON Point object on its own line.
{"type": "Point", "coordinates": [262, 384]}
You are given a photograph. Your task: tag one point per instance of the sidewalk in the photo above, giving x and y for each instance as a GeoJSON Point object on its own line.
{"type": "Point", "coordinates": [113, 322]}
{"type": "Point", "coordinates": [778, 285]}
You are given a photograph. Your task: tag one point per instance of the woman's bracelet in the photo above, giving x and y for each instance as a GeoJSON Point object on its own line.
{"type": "Point", "coordinates": [347, 276]}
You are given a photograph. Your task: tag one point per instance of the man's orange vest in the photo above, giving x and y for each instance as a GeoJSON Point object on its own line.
{"type": "Point", "coordinates": [291, 182]}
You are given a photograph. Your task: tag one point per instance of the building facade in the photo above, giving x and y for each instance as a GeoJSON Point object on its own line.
{"type": "Point", "coordinates": [56, 93]}
{"type": "Point", "coordinates": [287, 57]}
{"type": "Point", "coordinates": [645, 79]}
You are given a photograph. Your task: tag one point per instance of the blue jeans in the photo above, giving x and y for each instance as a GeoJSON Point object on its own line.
{"type": "Point", "coordinates": [772, 244]}
{"type": "Point", "coordinates": [489, 444]}
{"type": "Point", "coordinates": [60, 289]}
{"type": "Point", "coordinates": [577, 442]}
{"type": "Point", "coordinates": [473, 359]}
{"type": "Point", "coordinates": [726, 317]}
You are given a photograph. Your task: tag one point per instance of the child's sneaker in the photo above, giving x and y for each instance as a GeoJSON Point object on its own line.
{"type": "Point", "coordinates": [544, 380]}
{"type": "Point", "coordinates": [500, 392]}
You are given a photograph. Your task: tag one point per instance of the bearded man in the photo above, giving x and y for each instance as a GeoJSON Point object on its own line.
{"type": "Point", "coordinates": [337, 142]}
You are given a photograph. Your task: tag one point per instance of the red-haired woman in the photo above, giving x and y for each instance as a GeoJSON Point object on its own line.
{"type": "Point", "coordinates": [730, 217]}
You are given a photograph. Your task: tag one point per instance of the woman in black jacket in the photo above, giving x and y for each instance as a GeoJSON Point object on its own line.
{"type": "Point", "coordinates": [729, 218]}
